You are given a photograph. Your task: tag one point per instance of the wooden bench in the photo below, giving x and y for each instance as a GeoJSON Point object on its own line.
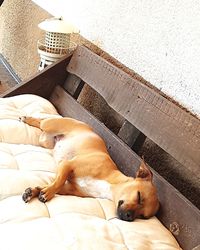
{"type": "Point", "coordinates": [145, 112]}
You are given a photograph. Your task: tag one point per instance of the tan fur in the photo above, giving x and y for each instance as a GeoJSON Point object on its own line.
{"type": "Point", "coordinates": [81, 153]}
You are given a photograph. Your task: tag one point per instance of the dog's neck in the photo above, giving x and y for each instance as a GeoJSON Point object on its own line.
{"type": "Point", "coordinates": [117, 180]}
{"type": "Point", "coordinates": [117, 177]}
{"type": "Point", "coordinates": [103, 188]}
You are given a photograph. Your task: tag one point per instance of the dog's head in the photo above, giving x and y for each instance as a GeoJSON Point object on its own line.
{"type": "Point", "coordinates": [137, 198]}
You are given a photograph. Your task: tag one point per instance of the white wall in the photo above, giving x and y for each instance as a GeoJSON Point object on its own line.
{"type": "Point", "coordinates": [160, 40]}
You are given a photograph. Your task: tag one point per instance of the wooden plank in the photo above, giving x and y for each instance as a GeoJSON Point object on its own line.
{"type": "Point", "coordinates": [172, 128]}
{"type": "Point", "coordinates": [176, 212]}
{"type": "Point", "coordinates": [131, 136]}
{"type": "Point", "coordinates": [43, 82]}
{"type": "Point", "coordinates": [73, 85]}
{"type": "Point", "coordinates": [196, 248]}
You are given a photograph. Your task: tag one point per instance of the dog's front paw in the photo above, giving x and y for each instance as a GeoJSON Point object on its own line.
{"type": "Point", "coordinates": [41, 197]}
{"type": "Point", "coordinates": [30, 193]}
{"type": "Point", "coordinates": [27, 195]}
{"type": "Point", "coordinates": [47, 193]}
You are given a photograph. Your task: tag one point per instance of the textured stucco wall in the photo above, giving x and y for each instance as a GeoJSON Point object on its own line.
{"type": "Point", "coordinates": [160, 40]}
{"type": "Point", "coordinates": [19, 34]}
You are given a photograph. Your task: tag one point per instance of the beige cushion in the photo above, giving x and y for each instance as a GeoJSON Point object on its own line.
{"type": "Point", "coordinates": [11, 108]}
{"type": "Point", "coordinates": [65, 222]}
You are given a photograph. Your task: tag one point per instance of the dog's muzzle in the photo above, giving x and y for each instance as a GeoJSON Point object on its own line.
{"type": "Point", "coordinates": [123, 214]}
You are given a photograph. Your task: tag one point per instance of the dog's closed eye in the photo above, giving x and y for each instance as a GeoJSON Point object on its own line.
{"type": "Point", "coordinates": [139, 198]}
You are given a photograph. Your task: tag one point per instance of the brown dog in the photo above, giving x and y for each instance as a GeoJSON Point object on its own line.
{"type": "Point", "coordinates": [85, 169]}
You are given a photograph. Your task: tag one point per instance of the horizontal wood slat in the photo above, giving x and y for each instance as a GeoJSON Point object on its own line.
{"type": "Point", "coordinates": [176, 212]}
{"type": "Point", "coordinates": [169, 126]}
{"type": "Point", "coordinates": [43, 82]}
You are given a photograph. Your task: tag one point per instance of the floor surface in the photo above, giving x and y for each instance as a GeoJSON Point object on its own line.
{"type": "Point", "coordinates": [7, 81]}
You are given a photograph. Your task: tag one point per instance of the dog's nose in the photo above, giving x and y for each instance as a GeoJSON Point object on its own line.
{"type": "Point", "coordinates": [128, 215]}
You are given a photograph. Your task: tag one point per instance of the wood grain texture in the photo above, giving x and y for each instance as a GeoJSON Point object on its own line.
{"type": "Point", "coordinates": [176, 212]}
{"type": "Point", "coordinates": [169, 126]}
{"type": "Point", "coordinates": [43, 82]}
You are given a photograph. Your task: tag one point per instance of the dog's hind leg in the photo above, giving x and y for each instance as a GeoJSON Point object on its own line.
{"type": "Point", "coordinates": [61, 125]}
{"type": "Point", "coordinates": [54, 125]}
{"type": "Point", "coordinates": [46, 140]}
{"type": "Point", "coordinates": [34, 122]}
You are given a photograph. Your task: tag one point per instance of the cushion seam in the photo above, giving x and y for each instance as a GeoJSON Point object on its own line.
{"type": "Point", "coordinates": [102, 209]}
{"type": "Point", "coordinates": [47, 210]}
{"type": "Point", "coordinates": [120, 234]}
{"type": "Point", "coordinates": [17, 164]}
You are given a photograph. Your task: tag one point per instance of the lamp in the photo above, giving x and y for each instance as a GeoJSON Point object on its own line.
{"type": "Point", "coordinates": [57, 41]}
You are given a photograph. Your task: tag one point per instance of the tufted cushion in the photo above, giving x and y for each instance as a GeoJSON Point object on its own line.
{"type": "Point", "coordinates": [11, 108]}
{"type": "Point", "coordinates": [65, 222]}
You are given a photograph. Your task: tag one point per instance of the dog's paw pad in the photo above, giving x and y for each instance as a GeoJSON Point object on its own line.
{"type": "Point", "coordinates": [41, 197]}
{"type": "Point", "coordinates": [22, 118]}
{"type": "Point", "coordinates": [27, 195]}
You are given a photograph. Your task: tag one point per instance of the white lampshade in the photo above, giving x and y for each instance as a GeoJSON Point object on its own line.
{"type": "Point", "coordinates": [56, 25]}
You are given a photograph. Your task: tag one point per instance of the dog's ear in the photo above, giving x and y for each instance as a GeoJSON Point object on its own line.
{"type": "Point", "coordinates": [144, 172]}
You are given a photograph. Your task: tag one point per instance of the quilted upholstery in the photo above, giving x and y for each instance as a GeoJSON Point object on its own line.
{"type": "Point", "coordinates": [65, 222]}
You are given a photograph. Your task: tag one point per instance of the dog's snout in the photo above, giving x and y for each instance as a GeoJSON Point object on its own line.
{"type": "Point", "coordinates": [124, 214]}
{"type": "Point", "coordinates": [128, 215]}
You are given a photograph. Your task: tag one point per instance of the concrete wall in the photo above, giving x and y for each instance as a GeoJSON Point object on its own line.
{"type": "Point", "coordinates": [160, 40]}
{"type": "Point", "coordinates": [19, 34]}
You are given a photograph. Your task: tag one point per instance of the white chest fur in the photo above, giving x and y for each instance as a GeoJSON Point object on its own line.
{"type": "Point", "coordinates": [95, 188]}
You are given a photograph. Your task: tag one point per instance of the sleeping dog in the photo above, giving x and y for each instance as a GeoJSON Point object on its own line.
{"type": "Point", "coordinates": [85, 169]}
